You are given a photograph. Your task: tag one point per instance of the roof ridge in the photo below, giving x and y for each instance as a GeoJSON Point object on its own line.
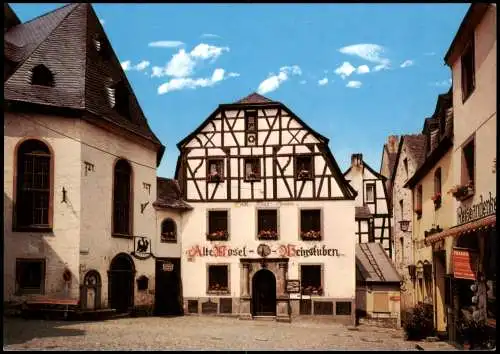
{"type": "Point", "coordinates": [50, 13]}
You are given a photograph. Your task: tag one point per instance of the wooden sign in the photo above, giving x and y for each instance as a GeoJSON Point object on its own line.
{"type": "Point", "coordinates": [293, 286]}
{"type": "Point", "coordinates": [294, 296]}
{"type": "Point", "coordinates": [464, 263]}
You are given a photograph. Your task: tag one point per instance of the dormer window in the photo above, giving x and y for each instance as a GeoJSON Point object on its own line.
{"type": "Point", "coordinates": [303, 167]}
{"type": "Point", "coordinates": [215, 172]}
{"type": "Point", "coordinates": [119, 99]}
{"type": "Point", "coordinates": [101, 47]}
{"type": "Point", "coordinates": [42, 76]}
{"type": "Point", "coordinates": [252, 169]}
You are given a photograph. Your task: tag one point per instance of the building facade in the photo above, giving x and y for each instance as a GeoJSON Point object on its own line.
{"type": "Point", "coordinates": [373, 214]}
{"type": "Point", "coordinates": [470, 244]}
{"type": "Point", "coordinates": [271, 208]}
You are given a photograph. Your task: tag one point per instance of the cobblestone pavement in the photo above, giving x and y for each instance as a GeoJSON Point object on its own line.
{"type": "Point", "coordinates": [197, 333]}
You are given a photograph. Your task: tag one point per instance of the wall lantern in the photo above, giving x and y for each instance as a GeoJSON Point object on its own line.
{"type": "Point", "coordinates": [404, 224]}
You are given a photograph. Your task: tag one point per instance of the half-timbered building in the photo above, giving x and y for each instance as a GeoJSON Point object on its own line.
{"type": "Point", "coordinates": [271, 209]}
{"type": "Point", "coordinates": [373, 212]}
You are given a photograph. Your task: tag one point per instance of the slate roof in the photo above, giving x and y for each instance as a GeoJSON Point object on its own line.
{"type": "Point", "coordinates": [362, 212]}
{"type": "Point", "coordinates": [416, 145]}
{"type": "Point", "coordinates": [64, 41]}
{"type": "Point", "coordinates": [374, 265]}
{"type": "Point", "coordinates": [168, 195]}
{"type": "Point", "coordinates": [254, 98]}
{"type": "Point", "coordinates": [10, 18]}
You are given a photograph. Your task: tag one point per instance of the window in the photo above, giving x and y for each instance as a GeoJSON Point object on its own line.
{"type": "Point", "coordinates": [217, 225]}
{"type": "Point", "coordinates": [418, 202]}
{"type": "Point", "coordinates": [122, 206]}
{"type": "Point", "coordinates": [267, 224]}
{"type": "Point", "coordinates": [401, 209]}
{"type": "Point", "coordinates": [34, 183]}
{"type": "Point", "coordinates": [120, 99]}
{"type": "Point", "coordinates": [437, 182]}
{"type": "Point", "coordinates": [215, 170]}
{"type": "Point", "coordinates": [381, 302]}
{"type": "Point", "coordinates": [142, 283]}
{"type": "Point", "coordinates": [468, 71]}
{"type": "Point", "coordinates": [218, 279]}
{"type": "Point", "coordinates": [30, 276]}
{"type": "Point", "coordinates": [102, 46]}
{"type": "Point", "coordinates": [251, 121]}
{"type": "Point", "coordinates": [168, 231]}
{"type": "Point", "coordinates": [343, 308]}
{"type": "Point", "coordinates": [370, 192]}
{"type": "Point", "coordinates": [42, 76]}
{"type": "Point", "coordinates": [468, 164]}
{"type": "Point", "coordinates": [405, 164]}
{"type": "Point", "coordinates": [304, 167]}
{"type": "Point", "coordinates": [252, 169]}
{"type": "Point", "coordinates": [310, 225]}
{"type": "Point", "coordinates": [402, 245]}
{"type": "Point", "coordinates": [311, 280]}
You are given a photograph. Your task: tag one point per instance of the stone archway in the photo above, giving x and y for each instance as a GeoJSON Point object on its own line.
{"type": "Point", "coordinates": [90, 296]}
{"type": "Point", "coordinates": [264, 293]}
{"type": "Point", "coordinates": [121, 283]}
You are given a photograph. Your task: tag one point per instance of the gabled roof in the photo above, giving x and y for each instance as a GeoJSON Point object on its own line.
{"type": "Point", "coordinates": [254, 98]}
{"type": "Point", "coordinates": [63, 41]}
{"type": "Point", "coordinates": [416, 148]}
{"type": "Point", "coordinates": [10, 18]}
{"type": "Point", "coordinates": [375, 173]}
{"type": "Point", "coordinates": [168, 195]}
{"type": "Point", "coordinates": [374, 265]}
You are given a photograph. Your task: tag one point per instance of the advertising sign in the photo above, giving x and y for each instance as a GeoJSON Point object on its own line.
{"type": "Point", "coordinates": [464, 263]}
{"type": "Point", "coordinates": [293, 286]}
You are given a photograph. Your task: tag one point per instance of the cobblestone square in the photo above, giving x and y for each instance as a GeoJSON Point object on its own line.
{"type": "Point", "coordinates": [198, 333]}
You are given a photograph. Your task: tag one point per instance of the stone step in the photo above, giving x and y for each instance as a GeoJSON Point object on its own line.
{"type": "Point", "coordinates": [264, 318]}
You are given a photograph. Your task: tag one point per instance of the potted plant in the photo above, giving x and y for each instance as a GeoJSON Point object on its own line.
{"type": "Point", "coordinates": [436, 198]}
{"type": "Point", "coordinates": [214, 177]}
{"type": "Point", "coordinates": [310, 235]}
{"type": "Point", "coordinates": [462, 192]}
{"type": "Point", "coordinates": [418, 322]}
{"type": "Point", "coordinates": [218, 235]}
{"type": "Point", "coordinates": [267, 234]}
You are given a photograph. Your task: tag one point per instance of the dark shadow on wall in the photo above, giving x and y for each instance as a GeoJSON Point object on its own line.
{"type": "Point", "coordinates": [19, 331]}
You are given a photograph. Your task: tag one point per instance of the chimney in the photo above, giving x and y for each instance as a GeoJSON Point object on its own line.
{"type": "Point", "coordinates": [392, 144]}
{"type": "Point", "coordinates": [356, 160]}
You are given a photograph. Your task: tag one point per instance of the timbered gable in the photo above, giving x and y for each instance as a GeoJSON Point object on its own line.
{"type": "Point", "coordinates": [265, 152]}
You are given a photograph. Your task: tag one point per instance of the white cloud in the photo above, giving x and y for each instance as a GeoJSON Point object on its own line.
{"type": "Point", "coordinates": [125, 65]}
{"type": "Point", "coordinates": [380, 67]}
{"type": "Point", "coordinates": [157, 71]}
{"type": "Point", "coordinates": [354, 84]}
{"type": "Point", "coordinates": [442, 83]}
{"type": "Point", "coordinates": [181, 83]}
{"type": "Point", "coordinates": [166, 44]}
{"type": "Point", "coordinates": [210, 35]}
{"type": "Point", "coordinates": [274, 81]}
{"type": "Point", "coordinates": [142, 65]}
{"type": "Point", "coordinates": [407, 63]}
{"type": "Point", "coordinates": [233, 74]}
{"type": "Point", "coordinates": [323, 81]}
{"type": "Point", "coordinates": [363, 69]}
{"type": "Point", "coordinates": [102, 21]}
{"type": "Point", "coordinates": [302, 82]}
{"type": "Point", "coordinates": [207, 51]}
{"type": "Point", "coordinates": [345, 70]}
{"type": "Point", "coordinates": [181, 65]}
{"type": "Point", "coordinates": [370, 52]}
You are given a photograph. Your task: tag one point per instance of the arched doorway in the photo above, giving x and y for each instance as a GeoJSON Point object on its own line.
{"type": "Point", "coordinates": [90, 298]}
{"type": "Point", "coordinates": [121, 283]}
{"type": "Point", "coordinates": [264, 293]}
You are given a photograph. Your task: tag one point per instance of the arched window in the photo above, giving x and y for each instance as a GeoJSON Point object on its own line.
{"type": "Point", "coordinates": [122, 204]}
{"type": "Point", "coordinates": [42, 76]}
{"type": "Point", "coordinates": [168, 231]}
{"type": "Point", "coordinates": [33, 186]}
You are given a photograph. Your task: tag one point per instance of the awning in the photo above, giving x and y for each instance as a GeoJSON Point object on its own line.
{"type": "Point", "coordinates": [486, 222]}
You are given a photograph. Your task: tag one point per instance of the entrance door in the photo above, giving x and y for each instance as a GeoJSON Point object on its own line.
{"type": "Point", "coordinates": [121, 283]}
{"type": "Point", "coordinates": [264, 293]}
{"type": "Point", "coordinates": [168, 295]}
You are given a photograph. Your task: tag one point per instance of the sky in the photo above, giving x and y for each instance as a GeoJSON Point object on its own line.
{"type": "Point", "coordinates": [355, 73]}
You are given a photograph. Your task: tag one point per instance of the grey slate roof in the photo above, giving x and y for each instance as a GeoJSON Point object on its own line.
{"type": "Point", "coordinates": [416, 145]}
{"type": "Point", "coordinates": [374, 265]}
{"type": "Point", "coordinates": [168, 194]}
{"type": "Point", "coordinates": [254, 98]}
{"type": "Point", "coordinates": [63, 41]}
{"type": "Point", "coordinates": [362, 212]}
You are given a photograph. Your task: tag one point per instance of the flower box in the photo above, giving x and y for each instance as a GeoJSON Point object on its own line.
{"type": "Point", "coordinates": [433, 231]}
{"type": "Point", "coordinates": [437, 200]}
{"type": "Point", "coordinates": [462, 192]}
{"type": "Point", "coordinates": [218, 288]}
{"type": "Point", "coordinates": [253, 176]}
{"type": "Point", "coordinates": [215, 178]}
{"type": "Point", "coordinates": [312, 290]}
{"type": "Point", "coordinates": [304, 174]}
{"type": "Point", "coordinates": [168, 236]}
{"type": "Point", "coordinates": [218, 235]}
{"type": "Point", "coordinates": [310, 235]}
{"type": "Point", "coordinates": [267, 235]}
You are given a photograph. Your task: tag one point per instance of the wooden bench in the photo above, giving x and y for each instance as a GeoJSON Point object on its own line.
{"type": "Point", "coordinates": [46, 304]}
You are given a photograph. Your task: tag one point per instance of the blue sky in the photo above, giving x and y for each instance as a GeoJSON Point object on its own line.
{"type": "Point", "coordinates": [184, 59]}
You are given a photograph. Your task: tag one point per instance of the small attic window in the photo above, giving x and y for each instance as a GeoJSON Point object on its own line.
{"type": "Point", "coordinates": [101, 46]}
{"type": "Point", "coordinates": [42, 76]}
{"type": "Point", "coordinates": [119, 99]}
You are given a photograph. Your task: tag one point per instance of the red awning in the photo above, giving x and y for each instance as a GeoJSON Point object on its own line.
{"type": "Point", "coordinates": [486, 222]}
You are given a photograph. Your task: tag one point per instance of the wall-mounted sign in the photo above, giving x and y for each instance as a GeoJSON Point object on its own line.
{"type": "Point", "coordinates": [477, 211]}
{"type": "Point", "coordinates": [464, 263]}
{"type": "Point", "coordinates": [288, 250]}
{"type": "Point", "coordinates": [142, 247]}
{"type": "Point", "coordinates": [263, 250]}
{"type": "Point", "coordinates": [293, 286]}
{"type": "Point", "coordinates": [167, 267]}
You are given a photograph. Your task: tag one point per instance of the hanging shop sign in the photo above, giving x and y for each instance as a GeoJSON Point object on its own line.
{"type": "Point", "coordinates": [142, 247]}
{"type": "Point", "coordinates": [464, 263]}
{"type": "Point", "coordinates": [288, 250]}
{"type": "Point", "coordinates": [293, 286]}
{"type": "Point", "coordinates": [477, 211]}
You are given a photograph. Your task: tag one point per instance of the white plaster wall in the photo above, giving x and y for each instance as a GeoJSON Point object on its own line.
{"type": "Point", "coordinates": [59, 248]}
{"type": "Point", "coordinates": [164, 249]}
{"type": "Point", "coordinates": [338, 228]}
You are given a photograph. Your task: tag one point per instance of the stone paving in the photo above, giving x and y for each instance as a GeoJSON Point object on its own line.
{"type": "Point", "coordinates": [198, 333]}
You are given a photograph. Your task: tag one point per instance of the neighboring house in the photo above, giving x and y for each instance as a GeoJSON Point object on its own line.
{"type": "Point", "coordinates": [472, 237]}
{"type": "Point", "coordinates": [373, 214]}
{"type": "Point", "coordinates": [80, 166]}
{"type": "Point", "coordinates": [377, 286]}
{"type": "Point", "coordinates": [271, 206]}
{"type": "Point", "coordinates": [411, 153]}
{"type": "Point", "coordinates": [433, 210]}
{"type": "Point", "coordinates": [388, 163]}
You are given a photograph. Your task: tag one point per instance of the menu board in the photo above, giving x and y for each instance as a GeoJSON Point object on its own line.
{"type": "Point", "coordinates": [293, 286]}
